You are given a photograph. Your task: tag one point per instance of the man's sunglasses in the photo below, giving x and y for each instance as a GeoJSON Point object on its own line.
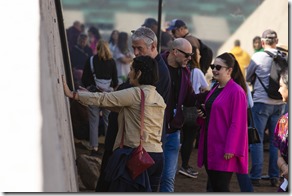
{"type": "Point", "coordinates": [187, 55]}
{"type": "Point", "coordinates": [218, 67]}
{"type": "Point", "coordinates": [140, 33]}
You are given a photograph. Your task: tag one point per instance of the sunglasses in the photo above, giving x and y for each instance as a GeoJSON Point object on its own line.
{"type": "Point", "coordinates": [140, 33]}
{"type": "Point", "coordinates": [187, 55]}
{"type": "Point", "coordinates": [218, 67]}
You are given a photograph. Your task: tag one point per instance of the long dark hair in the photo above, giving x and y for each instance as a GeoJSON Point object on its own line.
{"type": "Point", "coordinates": [149, 69]}
{"type": "Point", "coordinates": [95, 32]}
{"type": "Point", "coordinates": [237, 75]}
{"type": "Point", "coordinates": [123, 42]}
{"type": "Point", "coordinates": [193, 62]}
{"type": "Point", "coordinates": [111, 39]}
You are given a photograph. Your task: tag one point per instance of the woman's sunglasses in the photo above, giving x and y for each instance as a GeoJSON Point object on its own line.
{"type": "Point", "coordinates": [218, 67]}
{"type": "Point", "coordinates": [187, 55]}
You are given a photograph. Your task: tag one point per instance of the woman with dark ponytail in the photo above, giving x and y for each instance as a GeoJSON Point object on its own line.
{"type": "Point", "coordinates": [223, 144]}
{"type": "Point", "coordinates": [143, 76]}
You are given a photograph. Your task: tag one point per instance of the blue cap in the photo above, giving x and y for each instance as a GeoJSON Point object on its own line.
{"type": "Point", "coordinates": [175, 23]}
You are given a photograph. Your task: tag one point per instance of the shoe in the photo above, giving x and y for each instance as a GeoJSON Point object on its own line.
{"type": "Point", "coordinates": [256, 182]}
{"type": "Point", "coordinates": [86, 144]}
{"type": "Point", "coordinates": [95, 153]}
{"type": "Point", "coordinates": [190, 172]}
{"type": "Point", "coordinates": [265, 177]}
{"type": "Point", "coordinates": [274, 182]}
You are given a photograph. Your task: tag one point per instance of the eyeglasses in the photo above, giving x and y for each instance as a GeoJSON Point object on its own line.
{"type": "Point", "coordinates": [218, 67]}
{"type": "Point", "coordinates": [187, 55]}
{"type": "Point", "coordinates": [139, 33]}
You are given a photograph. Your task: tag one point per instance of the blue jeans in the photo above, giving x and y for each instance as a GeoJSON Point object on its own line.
{"type": "Point", "coordinates": [244, 183]}
{"type": "Point", "coordinates": [265, 116]}
{"type": "Point", "coordinates": [171, 152]}
{"type": "Point", "coordinates": [93, 118]}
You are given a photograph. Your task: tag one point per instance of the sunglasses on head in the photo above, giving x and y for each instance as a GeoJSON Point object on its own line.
{"type": "Point", "coordinates": [139, 33]}
{"type": "Point", "coordinates": [187, 55]}
{"type": "Point", "coordinates": [218, 67]}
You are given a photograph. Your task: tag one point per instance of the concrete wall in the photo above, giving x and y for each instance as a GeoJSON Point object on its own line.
{"type": "Point", "coordinates": [270, 14]}
{"type": "Point", "coordinates": [38, 147]}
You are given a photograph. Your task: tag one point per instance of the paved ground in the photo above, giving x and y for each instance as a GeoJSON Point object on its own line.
{"type": "Point", "coordinates": [185, 184]}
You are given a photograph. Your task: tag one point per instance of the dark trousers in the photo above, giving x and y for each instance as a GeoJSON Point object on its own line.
{"type": "Point", "coordinates": [218, 181]}
{"type": "Point", "coordinates": [108, 149]}
{"type": "Point", "coordinates": [155, 171]}
{"type": "Point", "coordinates": [189, 133]}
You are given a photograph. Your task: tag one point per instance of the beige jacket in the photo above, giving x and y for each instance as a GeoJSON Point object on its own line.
{"type": "Point", "coordinates": [127, 103]}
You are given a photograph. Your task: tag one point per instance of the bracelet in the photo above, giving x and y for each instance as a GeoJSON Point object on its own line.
{"type": "Point", "coordinates": [282, 165]}
{"type": "Point", "coordinates": [74, 94]}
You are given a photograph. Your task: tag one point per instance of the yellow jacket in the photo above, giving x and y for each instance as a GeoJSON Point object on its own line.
{"type": "Point", "coordinates": [242, 57]}
{"type": "Point", "coordinates": [127, 103]}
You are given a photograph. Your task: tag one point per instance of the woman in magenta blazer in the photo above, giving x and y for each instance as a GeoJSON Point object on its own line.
{"type": "Point", "coordinates": [223, 144]}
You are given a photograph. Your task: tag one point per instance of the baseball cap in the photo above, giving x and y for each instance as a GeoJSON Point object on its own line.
{"type": "Point", "coordinates": [149, 22]}
{"type": "Point", "coordinates": [269, 34]}
{"type": "Point", "coordinates": [176, 23]}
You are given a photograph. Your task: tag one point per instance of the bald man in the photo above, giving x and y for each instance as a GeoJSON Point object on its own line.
{"type": "Point", "coordinates": [181, 94]}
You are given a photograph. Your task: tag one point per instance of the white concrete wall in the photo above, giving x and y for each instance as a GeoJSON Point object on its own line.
{"type": "Point", "coordinates": [37, 148]}
{"type": "Point", "coordinates": [271, 14]}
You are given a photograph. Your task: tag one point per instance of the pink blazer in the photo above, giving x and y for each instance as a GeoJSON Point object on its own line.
{"type": "Point", "coordinates": [227, 131]}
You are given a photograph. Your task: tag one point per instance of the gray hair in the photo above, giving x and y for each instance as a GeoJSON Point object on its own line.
{"type": "Point", "coordinates": [144, 33]}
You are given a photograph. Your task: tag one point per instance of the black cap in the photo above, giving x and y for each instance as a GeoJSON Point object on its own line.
{"type": "Point", "coordinates": [149, 22]}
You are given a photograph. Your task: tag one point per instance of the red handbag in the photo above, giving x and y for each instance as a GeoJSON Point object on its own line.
{"type": "Point", "coordinates": [140, 160]}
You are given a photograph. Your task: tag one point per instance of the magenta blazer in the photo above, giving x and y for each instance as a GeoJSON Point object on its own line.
{"type": "Point", "coordinates": [227, 131]}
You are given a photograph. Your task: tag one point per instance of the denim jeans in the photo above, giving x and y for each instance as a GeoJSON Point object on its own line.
{"type": "Point", "coordinates": [93, 117]}
{"type": "Point", "coordinates": [171, 152]}
{"type": "Point", "coordinates": [265, 116]}
{"type": "Point", "coordinates": [244, 182]}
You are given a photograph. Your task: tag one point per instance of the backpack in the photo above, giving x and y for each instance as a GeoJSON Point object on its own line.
{"type": "Point", "coordinates": [206, 56]}
{"type": "Point", "coordinates": [279, 62]}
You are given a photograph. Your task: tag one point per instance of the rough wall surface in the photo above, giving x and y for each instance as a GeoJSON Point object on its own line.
{"type": "Point", "coordinates": [37, 148]}
{"type": "Point", "coordinates": [58, 154]}
{"type": "Point", "coordinates": [270, 14]}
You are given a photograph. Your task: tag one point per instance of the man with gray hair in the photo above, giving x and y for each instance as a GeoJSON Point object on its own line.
{"type": "Point", "coordinates": [266, 111]}
{"type": "Point", "coordinates": [144, 42]}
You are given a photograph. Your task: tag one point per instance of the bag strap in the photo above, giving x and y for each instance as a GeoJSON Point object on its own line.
{"type": "Point", "coordinates": [266, 89]}
{"type": "Point", "coordinates": [142, 108]}
{"type": "Point", "coordinates": [250, 116]}
{"type": "Point", "coordinates": [273, 56]}
{"type": "Point", "coordinates": [92, 68]}
{"type": "Point", "coordinates": [270, 54]}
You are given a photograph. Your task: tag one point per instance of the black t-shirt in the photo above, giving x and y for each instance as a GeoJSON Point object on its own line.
{"type": "Point", "coordinates": [208, 107]}
{"type": "Point", "coordinates": [175, 75]}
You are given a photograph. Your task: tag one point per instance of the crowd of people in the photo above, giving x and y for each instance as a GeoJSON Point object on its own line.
{"type": "Point", "coordinates": [110, 75]}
